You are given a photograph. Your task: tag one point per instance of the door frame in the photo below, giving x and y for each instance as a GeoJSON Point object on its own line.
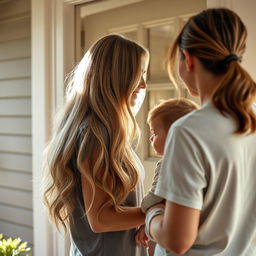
{"type": "Point", "coordinates": [52, 33]}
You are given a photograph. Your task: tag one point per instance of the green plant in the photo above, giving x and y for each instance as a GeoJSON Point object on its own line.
{"type": "Point", "coordinates": [13, 247]}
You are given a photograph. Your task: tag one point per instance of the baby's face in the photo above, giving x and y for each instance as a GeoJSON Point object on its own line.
{"type": "Point", "coordinates": [158, 136]}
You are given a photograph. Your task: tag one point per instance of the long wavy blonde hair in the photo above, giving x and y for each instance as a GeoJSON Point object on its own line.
{"type": "Point", "coordinates": [213, 36]}
{"type": "Point", "coordinates": [99, 93]}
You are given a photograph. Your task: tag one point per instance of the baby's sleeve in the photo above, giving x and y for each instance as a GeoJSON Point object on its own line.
{"type": "Point", "coordinates": [156, 175]}
{"type": "Point", "coordinates": [150, 199]}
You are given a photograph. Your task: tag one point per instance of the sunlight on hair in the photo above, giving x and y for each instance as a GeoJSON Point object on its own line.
{"type": "Point", "coordinates": [76, 83]}
{"type": "Point", "coordinates": [139, 102]}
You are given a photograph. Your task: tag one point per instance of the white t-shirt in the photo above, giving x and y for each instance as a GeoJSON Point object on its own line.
{"type": "Point", "coordinates": [207, 167]}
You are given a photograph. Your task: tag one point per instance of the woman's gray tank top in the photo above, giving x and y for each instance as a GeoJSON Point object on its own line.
{"type": "Point", "coordinates": [84, 242]}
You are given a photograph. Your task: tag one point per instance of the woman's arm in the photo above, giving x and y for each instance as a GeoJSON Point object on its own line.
{"type": "Point", "coordinates": [108, 219]}
{"type": "Point", "coordinates": [176, 230]}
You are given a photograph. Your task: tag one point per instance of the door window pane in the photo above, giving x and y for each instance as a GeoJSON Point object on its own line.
{"type": "Point", "coordinates": [159, 40]}
{"type": "Point", "coordinates": [132, 35]}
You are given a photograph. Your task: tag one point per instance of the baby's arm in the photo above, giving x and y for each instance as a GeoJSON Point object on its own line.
{"type": "Point", "coordinates": [151, 199]}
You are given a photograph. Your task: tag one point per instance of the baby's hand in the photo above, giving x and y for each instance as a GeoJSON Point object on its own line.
{"type": "Point", "coordinates": [141, 237]}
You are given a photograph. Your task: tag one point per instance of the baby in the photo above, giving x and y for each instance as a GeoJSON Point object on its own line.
{"type": "Point", "coordinates": [160, 118]}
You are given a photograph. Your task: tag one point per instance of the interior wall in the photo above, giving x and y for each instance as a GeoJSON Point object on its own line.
{"type": "Point", "coordinates": [246, 10]}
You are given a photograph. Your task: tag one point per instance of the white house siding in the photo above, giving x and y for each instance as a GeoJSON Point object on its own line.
{"type": "Point", "coordinates": [16, 213]}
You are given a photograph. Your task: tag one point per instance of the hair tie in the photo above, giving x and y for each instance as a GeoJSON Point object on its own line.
{"type": "Point", "coordinates": [229, 58]}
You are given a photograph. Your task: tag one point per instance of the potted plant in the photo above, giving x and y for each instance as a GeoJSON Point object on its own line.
{"type": "Point", "coordinates": [13, 247]}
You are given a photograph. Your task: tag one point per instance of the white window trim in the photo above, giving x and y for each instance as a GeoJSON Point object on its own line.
{"type": "Point", "coordinates": [159, 22]}
{"type": "Point", "coordinates": [124, 29]}
{"type": "Point", "coordinates": [97, 7]}
{"type": "Point", "coordinates": [219, 3]}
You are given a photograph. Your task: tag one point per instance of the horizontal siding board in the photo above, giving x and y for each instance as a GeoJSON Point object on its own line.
{"type": "Point", "coordinates": [16, 144]}
{"type": "Point", "coordinates": [16, 180]}
{"type": "Point", "coordinates": [15, 107]}
{"type": "Point", "coordinates": [15, 88]}
{"type": "Point", "coordinates": [16, 198]}
{"type": "Point", "coordinates": [17, 215]}
{"type": "Point", "coordinates": [15, 30]}
{"type": "Point", "coordinates": [16, 162]}
{"type": "Point", "coordinates": [15, 125]}
{"type": "Point", "coordinates": [15, 69]}
{"type": "Point", "coordinates": [13, 8]}
{"type": "Point", "coordinates": [15, 49]}
{"type": "Point", "coordinates": [12, 230]}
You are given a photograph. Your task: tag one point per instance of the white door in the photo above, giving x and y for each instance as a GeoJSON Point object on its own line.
{"type": "Point", "coordinates": [153, 24]}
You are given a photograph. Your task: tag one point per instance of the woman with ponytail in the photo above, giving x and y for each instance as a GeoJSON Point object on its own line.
{"type": "Point", "coordinates": [208, 175]}
{"type": "Point", "coordinates": [94, 178]}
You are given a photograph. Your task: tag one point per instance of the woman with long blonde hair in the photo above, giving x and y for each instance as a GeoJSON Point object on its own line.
{"type": "Point", "coordinates": [94, 178]}
{"type": "Point", "coordinates": [208, 173]}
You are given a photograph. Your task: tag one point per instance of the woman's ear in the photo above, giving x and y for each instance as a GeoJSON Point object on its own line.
{"type": "Point", "coordinates": [189, 60]}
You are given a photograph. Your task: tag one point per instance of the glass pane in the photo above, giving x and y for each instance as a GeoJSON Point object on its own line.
{"type": "Point", "coordinates": [132, 35]}
{"type": "Point", "coordinates": [154, 98]}
{"type": "Point", "coordinates": [159, 40]}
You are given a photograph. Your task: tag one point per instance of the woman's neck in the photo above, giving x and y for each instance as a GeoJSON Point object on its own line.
{"type": "Point", "coordinates": [207, 83]}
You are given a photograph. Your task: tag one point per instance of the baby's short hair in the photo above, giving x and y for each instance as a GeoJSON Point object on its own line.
{"type": "Point", "coordinates": [170, 110]}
